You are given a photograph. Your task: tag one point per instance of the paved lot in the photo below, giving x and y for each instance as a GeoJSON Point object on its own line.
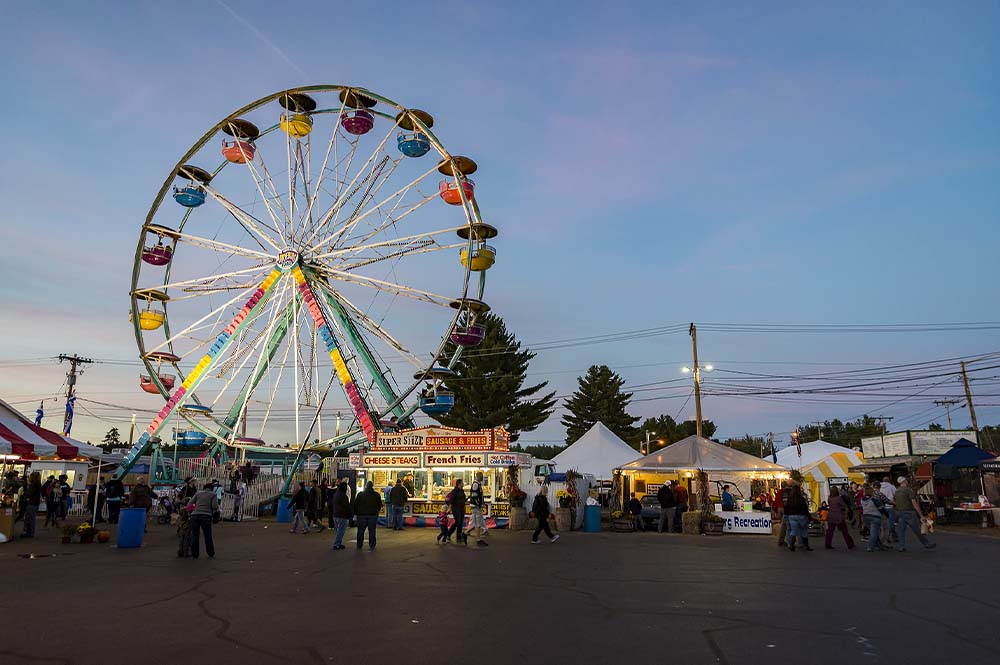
{"type": "Point", "coordinates": [271, 597]}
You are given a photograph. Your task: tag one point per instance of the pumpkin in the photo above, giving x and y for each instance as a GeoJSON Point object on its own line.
{"type": "Point", "coordinates": [103, 536]}
{"type": "Point", "coordinates": [551, 516]}
{"type": "Point", "coordinates": [532, 515]}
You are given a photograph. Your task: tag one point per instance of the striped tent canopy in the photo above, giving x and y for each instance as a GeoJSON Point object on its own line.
{"type": "Point", "coordinates": [19, 436]}
{"type": "Point", "coordinates": [834, 465]}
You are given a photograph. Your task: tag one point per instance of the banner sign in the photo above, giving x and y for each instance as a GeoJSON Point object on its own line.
{"type": "Point", "coordinates": [507, 459]}
{"type": "Point", "coordinates": [872, 447]}
{"type": "Point", "coordinates": [429, 438]}
{"type": "Point", "coordinates": [896, 444]}
{"type": "Point", "coordinates": [937, 443]}
{"type": "Point", "coordinates": [383, 459]}
{"type": "Point", "coordinates": [454, 459]}
{"type": "Point", "coordinates": [757, 522]}
{"type": "Point", "coordinates": [353, 460]}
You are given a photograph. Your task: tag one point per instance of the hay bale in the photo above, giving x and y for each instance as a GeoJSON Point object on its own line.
{"type": "Point", "coordinates": [691, 523]}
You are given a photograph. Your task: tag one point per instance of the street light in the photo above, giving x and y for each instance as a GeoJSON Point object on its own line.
{"type": "Point", "coordinates": [645, 448]}
{"type": "Point", "coordinates": [697, 377]}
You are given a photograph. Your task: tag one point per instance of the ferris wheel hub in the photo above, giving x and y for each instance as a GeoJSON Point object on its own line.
{"type": "Point", "coordinates": [287, 259]}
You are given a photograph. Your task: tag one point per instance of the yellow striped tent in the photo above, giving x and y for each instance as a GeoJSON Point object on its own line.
{"type": "Point", "coordinates": [817, 475]}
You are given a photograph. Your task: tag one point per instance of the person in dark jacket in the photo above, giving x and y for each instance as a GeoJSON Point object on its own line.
{"type": "Point", "coordinates": [67, 497]}
{"type": "Point", "coordinates": [204, 505]}
{"type": "Point", "coordinates": [540, 507]}
{"type": "Point", "coordinates": [297, 505]}
{"type": "Point", "coordinates": [397, 502]}
{"type": "Point", "coordinates": [458, 501]}
{"type": "Point", "coordinates": [32, 499]}
{"type": "Point", "coordinates": [114, 490]}
{"type": "Point", "coordinates": [367, 506]}
{"type": "Point", "coordinates": [797, 512]}
{"type": "Point", "coordinates": [340, 513]}
{"type": "Point", "coordinates": [53, 497]}
{"type": "Point", "coordinates": [141, 496]}
{"type": "Point", "coordinates": [635, 510]}
{"type": "Point", "coordinates": [668, 507]}
{"type": "Point", "coordinates": [315, 506]}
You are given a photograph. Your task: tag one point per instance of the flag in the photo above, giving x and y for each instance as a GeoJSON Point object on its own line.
{"type": "Point", "coordinates": [774, 452]}
{"type": "Point", "coordinates": [68, 423]}
{"type": "Point", "coordinates": [39, 413]}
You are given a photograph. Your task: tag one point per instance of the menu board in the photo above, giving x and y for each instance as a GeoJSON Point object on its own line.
{"type": "Point", "coordinates": [937, 443]}
{"type": "Point", "coordinates": [896, 444]}
{"type": "Point", "coordinates": [872, 447]}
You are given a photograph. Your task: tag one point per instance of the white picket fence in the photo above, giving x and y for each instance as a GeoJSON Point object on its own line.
{"type": "Point", "coordinates": [264, 488]}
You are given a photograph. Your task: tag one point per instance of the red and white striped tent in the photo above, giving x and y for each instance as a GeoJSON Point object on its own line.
{"type": "Point", "coordinates": [20, 436]}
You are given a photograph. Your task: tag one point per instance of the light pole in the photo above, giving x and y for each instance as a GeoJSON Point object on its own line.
{"type": "Point", "coordinates": [645, 449]}
{"type": "Point", "coordinates": [697, 377]}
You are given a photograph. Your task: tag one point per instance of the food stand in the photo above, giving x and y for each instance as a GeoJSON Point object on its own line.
{"type": "Point", "coordinates": [428, 461]}
{"type": "Point", "coordinates": [680, 462]}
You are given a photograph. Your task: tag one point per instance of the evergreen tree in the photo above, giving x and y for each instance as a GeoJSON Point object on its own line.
{"type": "Point", "coordinates": [666, 429]}
{"type": "Point", "coordinates": [112, 439]}
{"type": "Point", "coordinates": [489, 386]}
{"type": "Point", "coordinates": [599, 398]}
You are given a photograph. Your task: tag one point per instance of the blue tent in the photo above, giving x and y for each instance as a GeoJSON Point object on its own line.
{"type": "Point", "coordinates": [964, 454]}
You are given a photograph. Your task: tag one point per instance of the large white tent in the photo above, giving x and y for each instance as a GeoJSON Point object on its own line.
{"type": "Point", "coordinates": [697, 453]}
{"type": "Point", "coordinates": [598, 452]}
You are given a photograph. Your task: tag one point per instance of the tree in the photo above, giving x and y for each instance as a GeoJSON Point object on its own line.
{"type": "Point", "coordinates": [751, 445]}
{"type": "Point", "coordinates": [489, 385]}
{"type": "Point", "coordinates": [599, 398]}
{"type": "Point", "coordinates": [667, 430]}
{"type": "Point", "coordinates": [539, 450]}
{"type": "Point", "coordinates": [847, 434]}
{"type": "Point", "coordinates": [935, 427]}
{"type": "Point", "coordinates": [111, 440]}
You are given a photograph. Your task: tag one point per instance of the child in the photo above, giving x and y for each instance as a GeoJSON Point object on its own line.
{"type": "Point", "coordinates": [184, 531]}
{"type": "Point", "coordinates": [443, 523]}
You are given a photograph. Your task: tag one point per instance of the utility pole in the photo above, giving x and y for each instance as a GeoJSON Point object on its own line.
{"type": "Point", "coordinates": [75, 362]}
{"type": "Point", "coordinates": [881, 420]}
{"type": "Point", "coordinates": [946, 403]}
{"type": "Point", "coordinates": [697, 379]}
{"type": "Point", "coordinates": [770, 442]}
{"type": "Point", "coordinates": [968, 398]}
{"type": "Point", "coordinates": [819, 429]}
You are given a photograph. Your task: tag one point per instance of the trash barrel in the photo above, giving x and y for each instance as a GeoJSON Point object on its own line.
{"type": "Point", "coordinates": [131, 525]}
{"type": "Point", "coordinates": [592, 519]}
{"type": "Point", "coordinates": [284, 514]}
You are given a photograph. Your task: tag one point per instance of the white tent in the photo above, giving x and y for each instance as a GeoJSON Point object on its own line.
{"type": "Point", "coordinates": [698, 453]}
{"type": "Point", "coordinates": [812, 452]}
{"type": "Point", "coordinates": [598, 452]}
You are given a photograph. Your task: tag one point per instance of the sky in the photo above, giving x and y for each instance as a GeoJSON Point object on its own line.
{"type": "Point", "coordinates": [648, 164]}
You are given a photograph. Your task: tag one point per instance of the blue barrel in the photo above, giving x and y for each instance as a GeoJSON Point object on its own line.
{"type": "Point", "coordinates": [284, 514]}
{"type": "Point", "coordinates": [592, 519]}
{"type": "Point", "coordinates": [131, 525]}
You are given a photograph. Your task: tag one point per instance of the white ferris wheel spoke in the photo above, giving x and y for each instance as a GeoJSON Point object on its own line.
{"type": "Point", "coordinates": [259, 181]}
{"type": "Point", "coordinates": [393, 242]}
{"type": "Point", "coordinates": [208, 280]}
{"type": "Point", "coordinates": [387, 287]}
{"type": "Point", "coordinates": [242, 216]}
{"type": "Point", "coordinates": [326, 158]}
{"type": "Point", "coordinates": [347, 191]}
{"type": "Point", "coordinates": [215, 312]}
{"type": "Point", "coordinates": [353, 222]}
{"type": "Point", "coordinates": [394, 256]}
{"type": "Point", "coordinates": [223, 248]}
{"type": "Point", "coordinates": [376, 329]}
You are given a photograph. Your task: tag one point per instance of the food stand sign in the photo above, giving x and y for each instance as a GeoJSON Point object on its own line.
{"type": "Point", "coordinates": [353, 460]}
{"type": "Point", "coordinates": [409, 460]}
{"type": "Point", "coordinates": [454, 459]}
{"type": "Point", "coordinates": [872, 447]}
{"type": "Point", "coordinates": [896, 444]}
{"type": "Point", "coordinates": [411, 440]}
{"type": "Point", "coordinates": [937, 443]}
{"type": "Point", "coordinates": [463, 441]}
{"type": "Point", "coordinates": [754, 522]}
{"type": "Point", "coordinates": [505, 459]}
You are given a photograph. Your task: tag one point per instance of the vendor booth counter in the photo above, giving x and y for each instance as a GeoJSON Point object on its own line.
{"type": "Point", "coordinates": [429, 460]}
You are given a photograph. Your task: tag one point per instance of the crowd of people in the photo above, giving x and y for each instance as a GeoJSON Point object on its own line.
{"type": "Point", "coordinates": [879, 511]}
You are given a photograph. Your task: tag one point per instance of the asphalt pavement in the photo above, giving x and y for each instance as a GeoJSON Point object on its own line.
{"type": "Point", "coordinates": [273, 597]}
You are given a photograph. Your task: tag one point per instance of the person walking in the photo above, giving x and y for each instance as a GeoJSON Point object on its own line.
{"type": "Point", "coordinates": [340, 513]}
{"type": "Point", "coordinates": [836, 518]}
{"type": "Point", "coordinates": [367, 506]}
{"type": "Point", "coordinates": [298, 504]}
{"type": "Point", "coordinates": [114, 491]}
{"type": "Point", "coordinates": [888, 490]}
{"type": "Point", "coordinates": [238, 497]}
{"type": "Point", "coordinates": [397, 503]}
{"type": "Point", "coordinates": [908, 515]}
{"type": "Point", "coordinates": [32, 500]}
{"type": "Point", "coordinates": [681, 497]}
{"type": "Point", "coordinates": [778, 513]}
{"type": "Point", "coordinates": [477, 501]}
{"type": "Point", "coordinates": [53, 497]}
{"type": "Point", "coordinates": [635, 510]}
{"type": "Point", "coordinates": [206, 505]}
{"type": "Point", "coordinates": [872, 509]}
{"type": "Point", "coordinates": [442, 520]}
{"type": "Point", "coordinates": [540, 507]}
{"type": "Point", "coordinates": [458, 501]}
{"type": "Point", "coordinates": [668, 507]}
{"type": "Point", "coordinates": [314, 507]}
{"type": "Point", "coordinates": [141, 497]}
{"type": "Point", "coordinates": [66, 497]}
{"type": "Point", "coordinates": [797, 512]}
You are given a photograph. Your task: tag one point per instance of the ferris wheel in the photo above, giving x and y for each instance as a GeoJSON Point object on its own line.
{"type": "Point", "coordinates": [302, 270]}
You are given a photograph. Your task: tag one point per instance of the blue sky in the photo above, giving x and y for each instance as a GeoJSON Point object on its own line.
{"type": "Point", "coordinates": [647, 163]}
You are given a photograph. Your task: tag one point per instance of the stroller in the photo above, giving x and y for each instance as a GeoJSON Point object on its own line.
{"type": "Point", "coordinates": [166, 510]}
